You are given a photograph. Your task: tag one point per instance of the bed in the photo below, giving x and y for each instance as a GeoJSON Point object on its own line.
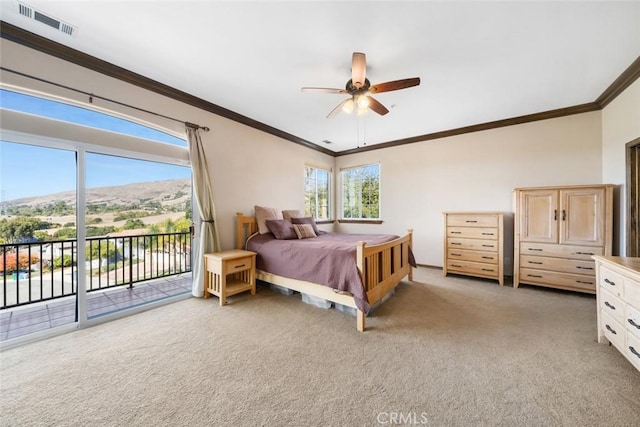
{"type": "Point", "coordinates": [381, 262]}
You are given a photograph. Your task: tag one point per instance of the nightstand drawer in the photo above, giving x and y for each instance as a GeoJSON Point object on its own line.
{"type": "Point", "coordinates": [239, 264]}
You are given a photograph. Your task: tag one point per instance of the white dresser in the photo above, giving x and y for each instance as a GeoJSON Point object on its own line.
{"type": "Point", "coordinates": [618, 298]}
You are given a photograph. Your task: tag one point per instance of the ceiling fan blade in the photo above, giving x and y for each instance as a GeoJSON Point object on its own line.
{"type": "Point", "coordinates": [376, 106]}
{"type": "Point", "coordinates": [322, 90]}
{"type": "Point", "coordinates": [338, 108]}
{"type": "Point", "coordinates": [358, 69]}
{"type": "Point", "coordinates": [395, 85]}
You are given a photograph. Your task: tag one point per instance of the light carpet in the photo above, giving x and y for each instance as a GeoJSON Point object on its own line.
{"type": "Point", "coordinates": [449, 351]}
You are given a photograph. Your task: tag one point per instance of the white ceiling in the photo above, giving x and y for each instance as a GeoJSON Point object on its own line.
{"type": "Point", "coordinates": [478, 61]}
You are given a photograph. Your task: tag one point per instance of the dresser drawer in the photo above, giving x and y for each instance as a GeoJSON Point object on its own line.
{"type": "Point", "coordinates": [632, 321]}
{"type": "Point", "coordinates": [477, 256]}
{"type": "Point", "coordinates": [558, 264]}
{"type": "Point", "coordinates": [559, 251]}
{"type": "Point", "coordinates": [611, 281]}
{"type": "Point", "coordinates": [632, 292]}
{"type": "Point", "coordinates": [612, 305]}
{"type": "Point", "coordinates": [468, 220]}
{"type": "Point", "coordinates": [632, 350]}
{"type": "Point", "coordinates": [473, 244]}
{"type": "Point", "coordinates": [613, 331]}
{"type": "Point", "coordinates": [473, 232]}
{"type": "Point", "coordinates": [561, 280]}
{"type": "Point", "coordinates": [475, 268]}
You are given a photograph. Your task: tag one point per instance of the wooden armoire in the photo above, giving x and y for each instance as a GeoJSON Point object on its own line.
{"type": "Point", "coordinates": [556, 232]}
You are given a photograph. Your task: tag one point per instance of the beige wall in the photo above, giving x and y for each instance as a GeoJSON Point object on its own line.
{"type": "Point", "coordinates": [477, 172]}
{"type": "Point", "coordinates": [620, 125]}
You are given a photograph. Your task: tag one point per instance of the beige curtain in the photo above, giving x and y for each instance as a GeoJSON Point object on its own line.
{"type": "Point", "coordinates": [207, 241]}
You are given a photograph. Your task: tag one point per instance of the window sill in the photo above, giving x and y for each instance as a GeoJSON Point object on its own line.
{"type": "Point", "coordinates": [360, 221]}
{"type": "Point", "coordinates": [324, 221]}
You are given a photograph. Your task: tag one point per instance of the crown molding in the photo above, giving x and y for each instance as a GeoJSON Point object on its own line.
{"type": "Point", "coordinates": [619, 85]}
{"type": "Point", "coordinates": [42, 44]}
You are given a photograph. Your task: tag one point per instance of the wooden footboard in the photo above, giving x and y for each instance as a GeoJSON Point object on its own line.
{"type": "Point", "coordinates": [381, 268]}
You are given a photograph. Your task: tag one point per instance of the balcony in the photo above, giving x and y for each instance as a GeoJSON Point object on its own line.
{"type": "Point", "coordinates": [39, 280]}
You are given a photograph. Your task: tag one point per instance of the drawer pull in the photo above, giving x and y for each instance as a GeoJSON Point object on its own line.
{"type": "Point", "coordinates": [455, 265]}
{"type": "Point", "coordinates": [534, 275]}
{"type": "Point", "coordinates": [584, 283]}
{"type": "Point", "coordinates": [584, 268]}
{"type": "Point", "coordinates": [584, 253]}
{"type": "Point", "coordinates": [609, 282]}
{"type": "Point", "coordinates": [487, 246]}
{"type": "Point", "coordinates": [240, 266]}
{"type": "Point", "coordinates": [632, 323]}
{"type": "Point", "coordinates": [456, 254]}
{"type": "Point", "coordinates": [489, 269]}
{"type": "Point", "coordinates": [455, 232]}
{"type": "Point", "coordinates": [535, 249]}
{"type": "Point", "coordinates": [487, 234]}
{"type": "Point", "coordinates": [471, 221]}
{"type": "Point", "coordinates": [487, 257]}
{"type": "Point", "coordinates": [612, 307]}
{"type": "Point", "coordinates": [611, 330]}
{"type": "Point", "coordinates": [534, 262]}
{"type": "Point", "coordinates": [455, 243]}
{"type": "Point", "coordinates": [633, 350]}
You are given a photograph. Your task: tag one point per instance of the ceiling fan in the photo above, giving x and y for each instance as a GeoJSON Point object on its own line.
{"type": "Point", "coordinates": [359, 88]}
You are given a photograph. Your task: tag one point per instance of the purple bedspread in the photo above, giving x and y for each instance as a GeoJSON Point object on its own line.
{"type": "Point", "coordinates": [329, 259]}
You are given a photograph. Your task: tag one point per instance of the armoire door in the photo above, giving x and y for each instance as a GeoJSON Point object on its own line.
{"type": "Point", "coordinates": [582, 216]}
{"type": "Point", "coordinates": [539, 216]}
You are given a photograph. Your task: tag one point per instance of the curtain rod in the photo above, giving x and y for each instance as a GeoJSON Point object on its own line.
{"type": "Point", "coordinates": [92, 96]}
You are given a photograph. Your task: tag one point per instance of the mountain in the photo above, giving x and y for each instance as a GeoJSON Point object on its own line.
{"type": "Point", "coordinates": [166, 193]}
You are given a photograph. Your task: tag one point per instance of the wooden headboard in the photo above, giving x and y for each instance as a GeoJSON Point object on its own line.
{"type": "Point", "coordinates": [245, 227]}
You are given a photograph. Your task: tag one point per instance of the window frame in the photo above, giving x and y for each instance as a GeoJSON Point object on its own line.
{"type": "Point", "coordinates": [360, 219]}
{"type": "Point", "coordinates": [329, 173]}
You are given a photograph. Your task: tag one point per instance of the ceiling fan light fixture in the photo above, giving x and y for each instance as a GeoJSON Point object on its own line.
{"type": "Point", "coordinates": [348, 106]}
{"type": "Point", "coordinates": [363, 102]}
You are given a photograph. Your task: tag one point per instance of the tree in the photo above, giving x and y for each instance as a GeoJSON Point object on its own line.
{"type": "Point", "coordinates": [18, 229]}
{"type": "Point", "coordinates": [21, 262]}
{"type": "Point", "coordinates": [132, 224]}
{"type": "Point", "coordinates": [102, 250]}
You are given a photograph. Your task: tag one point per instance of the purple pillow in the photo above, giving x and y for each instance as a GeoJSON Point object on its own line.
{"type": "Point", "coordinates": [282, 229]}
{"type": "Point", "coordinates": [306, 220]}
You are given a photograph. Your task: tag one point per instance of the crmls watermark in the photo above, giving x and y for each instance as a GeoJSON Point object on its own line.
{"type": "Point", "coordinates": [393, 418]}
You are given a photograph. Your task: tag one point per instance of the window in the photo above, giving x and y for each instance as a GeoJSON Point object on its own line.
{"type": "Point", "coordinates": [316, 192]}
{"type": "Point", "coordinates": [361, 192]}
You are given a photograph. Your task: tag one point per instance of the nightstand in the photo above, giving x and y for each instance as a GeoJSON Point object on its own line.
{"type": "Point", "coordinates": [228, 273]}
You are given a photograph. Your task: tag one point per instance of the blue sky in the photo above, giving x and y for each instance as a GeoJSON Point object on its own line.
{"type": "Point", "coordinates": [27, 170]}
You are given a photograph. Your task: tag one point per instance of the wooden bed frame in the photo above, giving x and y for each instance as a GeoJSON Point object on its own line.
{"type": "Point", "coordinates": [381, 268]}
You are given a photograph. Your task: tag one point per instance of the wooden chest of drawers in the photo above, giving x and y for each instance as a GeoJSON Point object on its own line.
{"type": "Point", "coordinates": [618, 304]}
{"type": "Point", "coordinates": [473, 244]}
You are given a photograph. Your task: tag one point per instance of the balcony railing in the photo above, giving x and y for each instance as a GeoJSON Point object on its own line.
{"type": "Point", "coordinates": [34, 272]}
